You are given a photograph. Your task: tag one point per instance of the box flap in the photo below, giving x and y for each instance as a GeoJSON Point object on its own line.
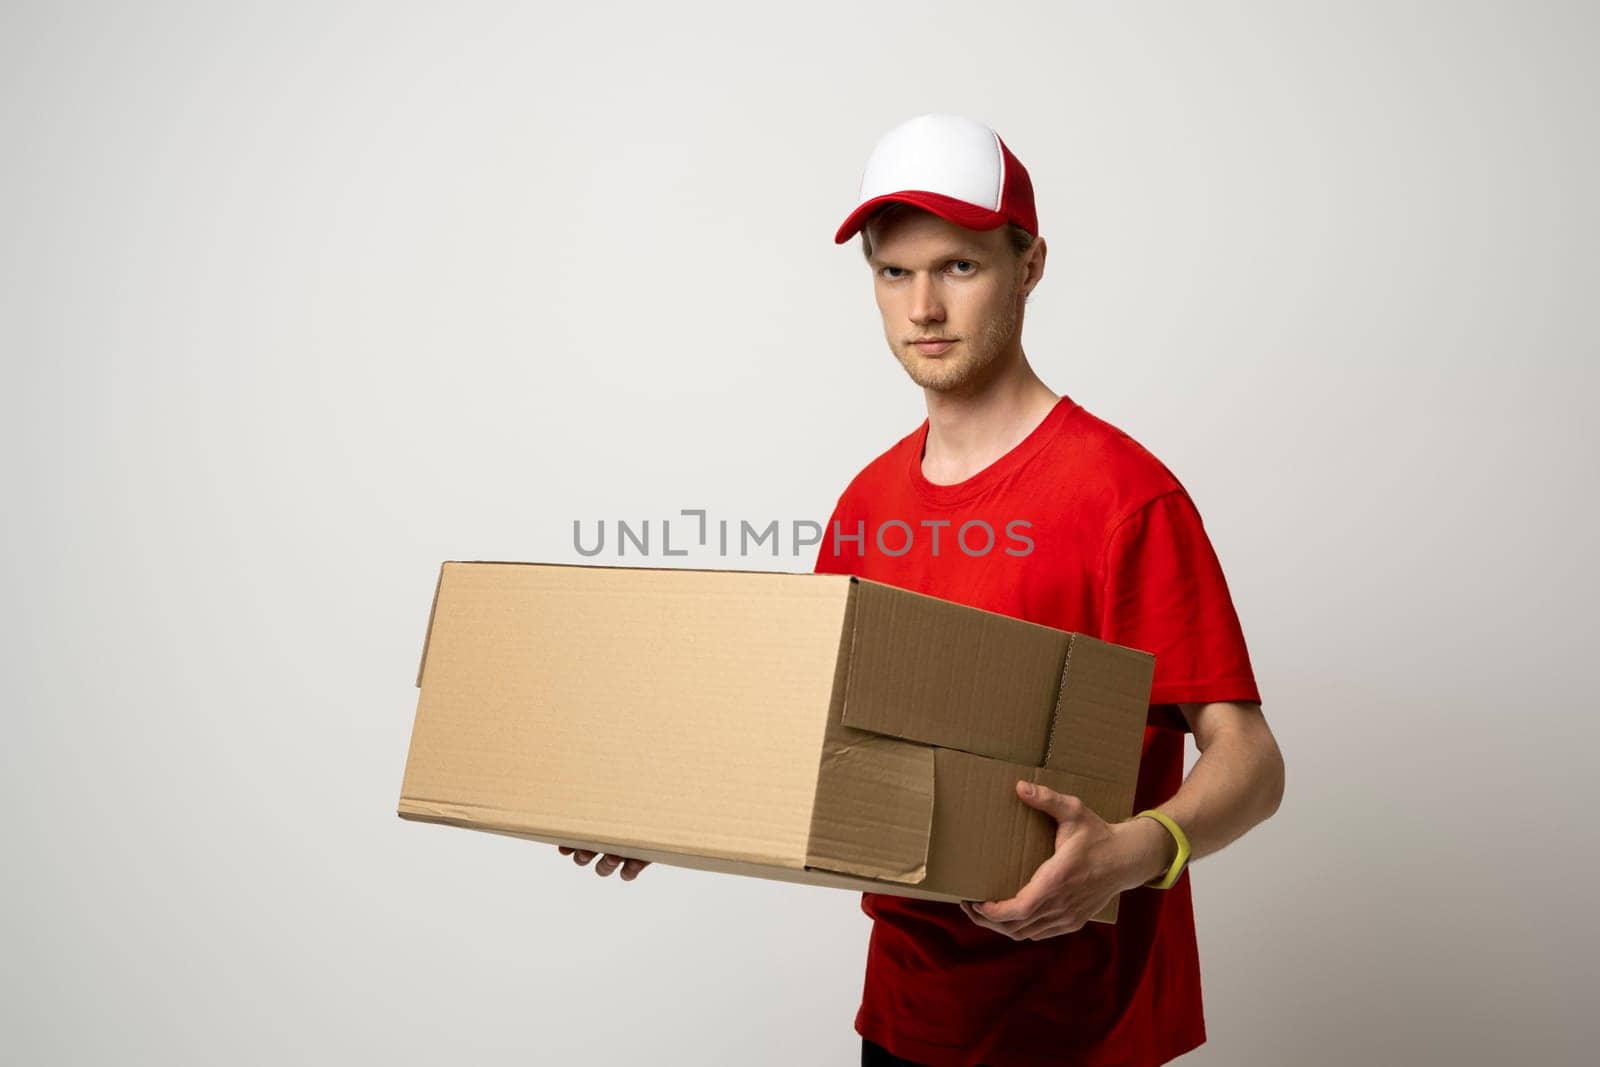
{"type": "Point", "coordinates": [987, 843]}
{"type": "Point", "coordinates": [874, 806]}
{"type": "Point", "coordinates": [945, 674]}
{"type": "Point", "coordinates": [1112, 801]}
{"type": "Point", "coordinates": [1102, 710]}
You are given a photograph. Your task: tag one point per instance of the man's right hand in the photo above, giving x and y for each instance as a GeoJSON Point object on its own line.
{"type": "Point", "coordinates": [607, 864]}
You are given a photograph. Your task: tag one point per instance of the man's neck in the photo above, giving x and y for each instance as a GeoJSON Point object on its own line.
{"type": "Point", "coordinates": [967, 433]}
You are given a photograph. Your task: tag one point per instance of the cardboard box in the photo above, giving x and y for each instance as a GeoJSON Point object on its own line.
{"type": "Point", "coordinates": [806, 727]}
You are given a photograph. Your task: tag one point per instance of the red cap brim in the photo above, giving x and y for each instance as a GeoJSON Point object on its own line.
{"type": "Point", "coordinates": [948, 208]}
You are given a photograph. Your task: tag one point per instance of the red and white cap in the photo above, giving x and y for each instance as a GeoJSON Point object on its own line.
{"type": "Point", "coordinates": [955, 167]}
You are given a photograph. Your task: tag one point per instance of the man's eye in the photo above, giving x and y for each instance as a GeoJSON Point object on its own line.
{"type": "Point", "coordinates": [968, 262]}
{"type": "Point", "coordinates": [886, 271]}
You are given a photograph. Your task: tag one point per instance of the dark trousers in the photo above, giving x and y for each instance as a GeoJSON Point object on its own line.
{"type": "Point", "coordinates": [877, 1056]}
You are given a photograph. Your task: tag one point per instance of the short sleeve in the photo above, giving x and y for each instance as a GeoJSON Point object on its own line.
{"type": "Point", "coordinates": [1164, 593]}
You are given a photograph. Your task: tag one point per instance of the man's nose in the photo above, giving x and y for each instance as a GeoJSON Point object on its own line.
{"type": "Point", "coordinates": [925, 303]}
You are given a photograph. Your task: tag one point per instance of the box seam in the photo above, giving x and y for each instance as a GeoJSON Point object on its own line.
{"type": "Point", "coordinates": [1061, 693]}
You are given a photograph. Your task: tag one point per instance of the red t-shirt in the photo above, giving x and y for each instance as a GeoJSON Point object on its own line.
{"type": "Point", "coordinates": [1077, 527]}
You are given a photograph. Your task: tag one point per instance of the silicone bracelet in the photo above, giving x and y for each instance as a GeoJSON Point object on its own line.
{"type": "Point", "coordinates": [1166, 881]}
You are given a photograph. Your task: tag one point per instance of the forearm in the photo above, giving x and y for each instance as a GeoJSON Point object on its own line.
{"type": "Point", "coordinates": [1235, 784]}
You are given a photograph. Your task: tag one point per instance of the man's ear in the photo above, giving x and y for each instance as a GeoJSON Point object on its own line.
{"type": "Point", "coordinates": [1035, 263]}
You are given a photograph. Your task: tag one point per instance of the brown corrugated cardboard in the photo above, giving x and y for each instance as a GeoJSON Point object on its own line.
{"type": "Point", "coordinates": [807, 727]}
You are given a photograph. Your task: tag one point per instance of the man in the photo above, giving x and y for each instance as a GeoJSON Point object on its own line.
{"type": "Point", "coordinates": [1111, 546]}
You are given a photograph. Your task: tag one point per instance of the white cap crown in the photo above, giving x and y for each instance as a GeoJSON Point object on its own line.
{"type": "Point", "coordinates": [948, 154]}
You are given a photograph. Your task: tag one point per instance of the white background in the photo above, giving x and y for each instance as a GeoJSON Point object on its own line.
{"type": "Point", "coordinates": [299, 300]}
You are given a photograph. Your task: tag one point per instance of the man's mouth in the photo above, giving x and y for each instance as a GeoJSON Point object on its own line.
{"type": "Point", "coordinates": [933, 346]}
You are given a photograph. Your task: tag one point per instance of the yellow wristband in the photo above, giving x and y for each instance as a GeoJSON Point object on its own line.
{"type": "Point", "coordinates": [1166, 881]}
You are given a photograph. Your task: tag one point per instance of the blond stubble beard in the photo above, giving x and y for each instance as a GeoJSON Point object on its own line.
{"type": "Point", "coordinates": [978, 355]}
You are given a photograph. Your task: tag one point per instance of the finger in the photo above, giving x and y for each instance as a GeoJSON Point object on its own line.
{"type": "Point", "coordinates": [1053, 925]}
{"type": "Point", "coordinates": [1019, 908]}
{"type": "Point", "coordinates": [631, 869]}
{"type": "Point", "coordinates": [582, 858]}
{"type": "Point", "coordinates": [1063, 807]}
{"type": "Point", "coordinates": [977, 917]}
{"type": "Point", "coordinates": [565, 851]}
{"type": "Point", "coordinates": [971, 908]}
{"type": "Point", "coordinates": [607, 864]}
{"type": "Point", "coordinates": [1047, 880]}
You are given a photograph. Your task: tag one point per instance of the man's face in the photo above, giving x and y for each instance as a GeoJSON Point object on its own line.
{"type": "Point", "coordinates": [934, 279]}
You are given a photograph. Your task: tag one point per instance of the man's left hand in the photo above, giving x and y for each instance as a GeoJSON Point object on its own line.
{"type": "Point", "coordinates": [1093, 862]}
